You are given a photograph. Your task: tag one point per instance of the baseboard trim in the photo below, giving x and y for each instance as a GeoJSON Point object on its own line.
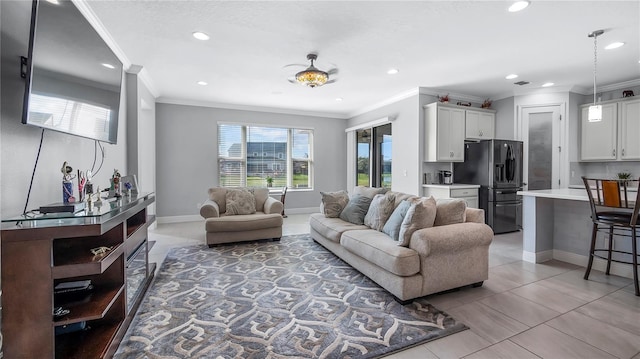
{"type": "Point", "coordinates": [619, 269]}
{"type": "Point", "coordinates": [537, 257]}
{"type": "Point", "coordinates": [178, 219]}
{"type": "Point", "coordinates": [304, 210]}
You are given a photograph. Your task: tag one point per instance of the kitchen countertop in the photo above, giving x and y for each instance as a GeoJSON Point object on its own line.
{"type": "Point", "coordinates": [452, 186]}
{"type": "Point", "coordinates": [573, 194]}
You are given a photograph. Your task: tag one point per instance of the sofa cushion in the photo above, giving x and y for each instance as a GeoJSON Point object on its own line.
{"type": "Point", "coordinates": [331, 228]}
{"type": "Point", "coordinates": [369, 192]}
{"type": "Point", "coordinates": [379, 211]}
{"type": "Point", "coordinates": [333, 203]}
{"type": "Point", "coordinates": [356, 209]}
{"type": "Point", "coordinates": [450, 211]}
{"type": "Point", "coordinates": [421, 214]}
{"type": "Point", "coordinates": [247, 222]}
{"type": "Point", "coordinates": [240, 201]}
{"type": "Point", "coordinates": [380, 249]}
{"type": "Point", "coordinates": [392, 227]}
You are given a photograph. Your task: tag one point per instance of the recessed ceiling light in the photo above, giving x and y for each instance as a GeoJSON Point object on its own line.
{"type": "Point", "coordinates": [393, 71]}
{"type": "Point", "coordinates": [614, 45]}
{"type": "Point", "coordinates": [518, 6]}
{"type": "Point", "coordinates": [339, 99]}
{"type": "Point", "coordinates": [548, 84]}
{"type": "Point", "coordinates": [511, 76]}
{"type": "Point", "coordinates": [202, 83]}
{"type": "Point", "coordinates": [55, 2]}
{"type": "Point", "coordinates": [109, 66]}
{"type": "Point", "coordinates": [200, 36]}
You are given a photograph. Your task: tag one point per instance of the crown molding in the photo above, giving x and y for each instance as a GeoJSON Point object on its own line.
{"type": "Point", "coordinates": [87, 12]}
{"type": "Point", "coordinates": [399, 97]}
{"type": "Point", "coordinates": [616, 86]}
{"type": "Point", "coordinates": [230, 106]}
{"type": "Point", "coordinates": [458, 96]}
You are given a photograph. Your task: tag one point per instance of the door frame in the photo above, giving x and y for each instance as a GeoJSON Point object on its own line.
{"type": "Point", "coordinates": [560, 129]}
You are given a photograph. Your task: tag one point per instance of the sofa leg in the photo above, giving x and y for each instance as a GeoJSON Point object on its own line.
{"type": "Point", "coordinates": [276, 239]}
{"type": "Point", "coordinates": [477, 285]}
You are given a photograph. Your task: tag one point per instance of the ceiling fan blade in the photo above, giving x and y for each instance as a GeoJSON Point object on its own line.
{"type": "Point", "coordinates": [331, 81]}
{"type": "Point", "coordinates": [295, 65]}
{"type": "Point", "coordinates": [333, 71]}
{"type": "Point", "coordinates": [293, 81]}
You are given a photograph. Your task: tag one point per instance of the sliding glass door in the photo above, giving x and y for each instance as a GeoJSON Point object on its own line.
{"type": "Point", "coordinates": [373, 156]}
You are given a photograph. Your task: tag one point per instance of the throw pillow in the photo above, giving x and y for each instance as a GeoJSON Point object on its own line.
{"type": "Point", "coordinates": [368, 191]}
{"type": "Point", "coordinates": [450, 211]}
{"type": "Point", "coordinates": [392, 227]}
{"type": "Point", "coordinates": [356, 209]}
{"type": "Point", "coordinates": [240, 201]}
{"type": "Point", "coordinates": [421, 214]}
{"type": "Point", "coordinates": [333, 203]}
{"type": "Point", "coordinates": [379, 211]}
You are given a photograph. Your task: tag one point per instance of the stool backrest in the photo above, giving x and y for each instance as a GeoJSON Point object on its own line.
{"type": "Point", "coordinates": [613, 193]}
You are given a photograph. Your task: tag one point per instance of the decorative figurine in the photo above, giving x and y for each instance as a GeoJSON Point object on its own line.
{"type": "Point", "coordinates": [67, 183]}
{"type": "Point", "coordinates": [115, 184]}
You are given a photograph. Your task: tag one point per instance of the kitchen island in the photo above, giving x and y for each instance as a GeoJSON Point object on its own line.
{"type": "Point", "coordinates": [556, 224]}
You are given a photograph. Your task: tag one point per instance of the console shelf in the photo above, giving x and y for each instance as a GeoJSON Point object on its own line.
{"type": "Point", "coordinates": [40, 253]}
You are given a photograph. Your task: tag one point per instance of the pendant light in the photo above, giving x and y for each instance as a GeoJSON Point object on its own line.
{"type": "Point", "coordinates": [595, 111]}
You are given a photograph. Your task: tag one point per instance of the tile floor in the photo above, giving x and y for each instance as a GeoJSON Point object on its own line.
{"type": "Point", "coordinates": [524, 310]}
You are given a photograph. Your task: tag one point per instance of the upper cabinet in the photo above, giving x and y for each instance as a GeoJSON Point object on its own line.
{"type": "Point", "coordinates": [613, 138]}
{"type": "Point", "coordinates": [444, 133]}
{"type": "Point", "coordinates": [480, 124]}
{"type": "Point", "coordinates": [629, 117]}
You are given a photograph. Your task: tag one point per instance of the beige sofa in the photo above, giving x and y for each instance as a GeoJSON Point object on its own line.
{"type": "Point", "coordinates": [437, 258]}
{"type": "Point", "coordinates": [222, 227]}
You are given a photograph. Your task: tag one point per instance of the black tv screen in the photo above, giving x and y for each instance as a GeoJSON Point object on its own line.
{"type": "Point", "coordinates": [74, 79]}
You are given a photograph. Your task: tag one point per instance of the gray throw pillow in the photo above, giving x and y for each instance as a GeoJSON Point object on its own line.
{"type": "Point", "coordinates": [368, 191]}
{"type": "Point", "coordinates": [450, 211]}
{"type": "Point", "coordinates": [392, 227]}
{"type": "Point", "coordinates": [333, 203]}
{"type": "Point", "coordinates": [421, 214]}
{"type": "Point", "coordinates": [240, 201]}
{"type": "Point", "coordinates": [356, 209]}
{"type": "Point", "coordinates": [379, 211]}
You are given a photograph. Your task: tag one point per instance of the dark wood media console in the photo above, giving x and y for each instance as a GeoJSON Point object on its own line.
{"type": "Point", "coordinates": [39, 253]}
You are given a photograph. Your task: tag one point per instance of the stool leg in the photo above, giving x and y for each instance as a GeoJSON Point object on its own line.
{"type": "Point", "coordinates": [594, 232]}
{"type": "Point", "coordinates": [634, 252]}
{"type": "Point", "coordinates": [610, 248]}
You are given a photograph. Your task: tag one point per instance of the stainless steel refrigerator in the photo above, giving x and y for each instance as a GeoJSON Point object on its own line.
{"type": "Point", "coordinates": [495, 165]}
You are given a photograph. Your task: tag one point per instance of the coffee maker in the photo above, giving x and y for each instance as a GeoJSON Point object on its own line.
{"type": "Point", "coordinates": [445, 177]}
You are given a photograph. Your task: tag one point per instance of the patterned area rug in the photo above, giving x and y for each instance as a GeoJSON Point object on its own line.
{"type": "Point", "coordinates": [287, 299]}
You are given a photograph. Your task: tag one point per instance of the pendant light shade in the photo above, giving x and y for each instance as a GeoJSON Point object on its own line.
{"type": "Point", "coordinates": [595, 111]}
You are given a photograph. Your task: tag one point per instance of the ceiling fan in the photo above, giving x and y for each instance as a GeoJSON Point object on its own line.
{"type": "Point", "coordinates": [312, 76]}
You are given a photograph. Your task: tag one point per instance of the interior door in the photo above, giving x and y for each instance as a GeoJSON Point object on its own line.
{"type": "Point", "coordinates": [540, 131]}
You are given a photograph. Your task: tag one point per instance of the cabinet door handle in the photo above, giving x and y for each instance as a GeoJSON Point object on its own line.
{"type": "Point", "coordinates": [623, 152]}
{"type": "Point", "coordinates": [614, 152]}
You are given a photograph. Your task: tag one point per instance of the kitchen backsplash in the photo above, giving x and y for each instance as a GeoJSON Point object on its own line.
{"type": "Point", "coordinates": [601, 169]}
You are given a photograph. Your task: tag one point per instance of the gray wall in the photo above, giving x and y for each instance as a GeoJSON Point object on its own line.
{"type": "Point", "coordinates": [505, 118]}
{"type": "Point", "coordinates": [19, 143]}
{"type": "Point", "coordinates": [187, 154]}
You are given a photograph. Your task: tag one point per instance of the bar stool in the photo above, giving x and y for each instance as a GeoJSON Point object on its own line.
{"type": "Point", "coordinates": [282, 197]}
{"type": "Point", "coordinates": [613, 212]}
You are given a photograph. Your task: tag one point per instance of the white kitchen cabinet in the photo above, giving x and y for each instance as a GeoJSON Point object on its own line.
{"type": "Point", "coordinates": [480, 124]}
{"type": "Point", "coordinates": [629, 124]}
{"type": "Point", "coordinates": [444, 133]}
{"type": "Point", "coordinates": [598, 140]}
{"type": "Point", "coordinates": [616, 136]}
{"type": "Point", "coordinates": [467, 192]}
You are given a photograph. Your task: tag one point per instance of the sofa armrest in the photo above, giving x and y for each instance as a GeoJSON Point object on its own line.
{"type": "Point", "coordinates": [450, 238]}
{"type": "Point", "coordinates": [272, 205]}
{"type": "Point", "coordinates": [209, 209]}
{"type": "Point", "coordinates": [475, 215]}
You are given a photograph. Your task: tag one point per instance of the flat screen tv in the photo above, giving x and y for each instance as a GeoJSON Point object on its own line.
{"type": "Point", "coordinates": [73, 77]}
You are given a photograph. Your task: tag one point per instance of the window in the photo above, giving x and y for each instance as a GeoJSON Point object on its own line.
{"type": "Point", "coordinates": [286, 156]}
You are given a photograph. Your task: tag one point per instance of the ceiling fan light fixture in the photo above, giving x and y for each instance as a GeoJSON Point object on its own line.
{"type": "Point", "coordinates": [312, 77]}
{"type": "Point", "coordinates": [518, 6]}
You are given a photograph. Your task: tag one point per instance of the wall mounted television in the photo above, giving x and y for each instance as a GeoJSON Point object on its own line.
{"type": "Point", "coordinates": [73, 78]}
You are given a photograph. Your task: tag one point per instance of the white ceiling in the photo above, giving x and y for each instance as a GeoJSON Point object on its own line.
{"type": "Point", "coordinates": [462, 47]}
